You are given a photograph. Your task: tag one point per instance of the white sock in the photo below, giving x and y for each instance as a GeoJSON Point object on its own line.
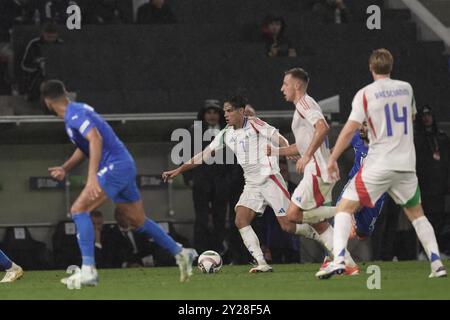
{"type": "Point", "coordinates": [427, 238]}
{"type": "Point", "coordinates": [318, 214]}
{"type": "Point", "coordinates": [327, 238]}
{"type": "Point", "coordinates": [251, 241]}
{"type": "Point", "coordinates": [342, 226]}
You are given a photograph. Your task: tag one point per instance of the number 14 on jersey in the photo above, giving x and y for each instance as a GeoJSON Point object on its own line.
{"type": "Point", "coordinates": [402, 119]}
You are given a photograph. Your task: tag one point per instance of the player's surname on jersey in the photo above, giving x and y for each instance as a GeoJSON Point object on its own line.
{"type": "Point", "coordinates": [392, 93]}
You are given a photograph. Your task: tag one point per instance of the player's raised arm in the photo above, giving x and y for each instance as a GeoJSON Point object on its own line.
{"type": "Point", "coordinates": [198, 159]}
{"type": "Point", "coordinates": [413, 105]}
{"type": "Point", "coordinates": [320, 133]}
{"type": "Point", "coordinates": [274, 136]}
{"type": "Point", "coordinates": [59, 173]}
{"type": "Point", "coordinates": [350, 144]}
{"type": "Point", "coordinates": [191, 164]}
{"type": "Point", "coordinates": [289, 151]}
{"type": "Point", "coordinates": [286, 150]}
{"type": "Point", "coordinates": [344, 139]}
{"type": "Point", "coordinates": [354, 122]}
{"type": "Point", "coordinates": [271, 133]}
{"type": "Point", "coordinates": [342, 143]}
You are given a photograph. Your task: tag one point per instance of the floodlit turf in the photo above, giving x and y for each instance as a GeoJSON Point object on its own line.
{"type": "Point", "coordinates": [399, 280]}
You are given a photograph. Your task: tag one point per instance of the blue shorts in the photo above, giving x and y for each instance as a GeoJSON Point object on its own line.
{"type": "Point", "coordinates": [118, 181]}
{"type": "Point", "coordinates": [365, 218]}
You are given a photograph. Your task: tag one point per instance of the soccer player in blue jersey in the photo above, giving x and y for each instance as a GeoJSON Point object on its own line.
{"type": "Point", "coordinates": [13, 271]}
{"type": "Point", "coordinates": [365, 217]}
{"type": "Point", "coordinates": [111, 174]}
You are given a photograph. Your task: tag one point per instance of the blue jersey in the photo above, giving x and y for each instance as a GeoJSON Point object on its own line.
{"type": "Point", "coordinates": [361, 150]}
{"type": "Point", "coordinates": [365, 218]}
{"type": "Point", "coordinates": [80, 119]}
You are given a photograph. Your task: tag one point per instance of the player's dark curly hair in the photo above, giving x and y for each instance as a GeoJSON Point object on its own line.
{"type": "Point", "coordinates": [236, 101]}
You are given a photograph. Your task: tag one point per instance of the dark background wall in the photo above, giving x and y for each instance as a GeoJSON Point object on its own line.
{"type": "Point", "coordinates": [216, 48]}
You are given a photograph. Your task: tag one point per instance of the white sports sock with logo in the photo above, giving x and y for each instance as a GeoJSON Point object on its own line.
{"type": "Point", "coordinates": [327, 238]}
{"type": "Point", "coordinates": [342, 228]}
{"type": "Point", "coordinates": [251, 241]}
{"type": "Point", "coordinates": [427, 238]}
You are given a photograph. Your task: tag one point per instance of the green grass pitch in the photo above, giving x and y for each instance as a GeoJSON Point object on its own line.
{"type": "Point", "coordinates": [399, 280]}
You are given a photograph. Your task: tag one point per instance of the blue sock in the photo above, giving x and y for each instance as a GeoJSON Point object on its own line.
{"type": "Point", "coordinates": [154, 230]}
{"type": "Point", "coordinates": [5, 263]}
{"type": "Point", "coordinates": [85, 236]}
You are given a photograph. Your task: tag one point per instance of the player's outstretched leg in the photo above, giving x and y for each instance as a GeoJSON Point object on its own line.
{"type": "Point", "coordinates": [184, 257]}
{"type": "Point", "coordinates": [326, 239]}
{"type": "Point", "coordinates": [427, 238]}
{"type": "Point", "coordinates": [342, 229]}
{"type": "Point", "coordinates": [244, 217]}
{"type": "Point", "coordinates": [88, 275]}
{"type": "Point", "coordinates": [321, 231]}
{"type": "Point", "coordinates": [13, 271]}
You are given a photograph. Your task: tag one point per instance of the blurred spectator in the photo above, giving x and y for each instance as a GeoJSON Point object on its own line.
{"type": "Point", "coordinates": [98, 221]}
{"type": "Point", "coordinates": [33, 61]}
{"type": "Point", "coordinates": [125, 248]}
{"type": "Point", "coordinates": [16, 12]}
{"type": "Point", "coordinates": [277, 44]}
{"type": "Point", "coordinates": [54, 10]}
{"type": "Point", "coordinates": [155, 12]}
{"type": "Point", "coordinates": [103, 11]}
{"type": "Point", "coordinates": [209, 187]}
{"type": "Point", "coordinates": [332, 11]}
{"type": "Point", "coordinates": [65, 246]}
{"type": "Point", "coordinates": [393, 237]}
{"type": "Point", "coordinates": [433, 165]}
{"type": "Point", "coordinates": [12, 12]}
{"type": "Point", "coordinates": [24, 250]}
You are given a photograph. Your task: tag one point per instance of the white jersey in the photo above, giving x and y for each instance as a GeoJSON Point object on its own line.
{"type": "Point", "coordinates": [388, 106]}
{"type": "Point", "coordinates": [307, 113]}
{"type": "Point", "coordinates": [249, 145]}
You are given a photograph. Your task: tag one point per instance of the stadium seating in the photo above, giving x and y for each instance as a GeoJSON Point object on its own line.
{"type": "Point", "coordinates": [216, 48]}
{"type": "Point", "coordinates": [24, 250]}
{"type": "Point", "coordinates": [65, 246]}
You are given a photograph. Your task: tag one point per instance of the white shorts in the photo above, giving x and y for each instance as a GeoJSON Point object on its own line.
{"type": "Point", "coordinates": [312, 192]}
{"type": "Point", "coordinates": [272, 193]}
{"type": "Point", "coordinates": [368, 185]}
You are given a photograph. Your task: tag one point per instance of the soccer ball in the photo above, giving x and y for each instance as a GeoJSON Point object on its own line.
{"type": "Point", "coordinates": [210, 262]}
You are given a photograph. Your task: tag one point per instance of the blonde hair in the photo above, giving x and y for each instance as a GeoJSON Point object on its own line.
{"type": "Point", "coordinates": [381, 61]}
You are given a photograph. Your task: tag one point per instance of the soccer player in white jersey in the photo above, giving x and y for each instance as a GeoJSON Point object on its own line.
{"type": "Point", "coordinates": [390, 165]}
{"type": "Point", "coordinates": [248, 137]}
{"type": "Point", "coordinates": [311, 200]}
